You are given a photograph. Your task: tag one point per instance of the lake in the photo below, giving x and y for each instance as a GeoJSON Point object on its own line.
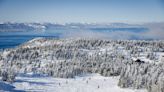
{"type": "Point", "coordinates": [12, 39]}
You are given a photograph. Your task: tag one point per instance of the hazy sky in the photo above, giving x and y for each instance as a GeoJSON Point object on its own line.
{"type": "Point", "coordinates": [62, 11]}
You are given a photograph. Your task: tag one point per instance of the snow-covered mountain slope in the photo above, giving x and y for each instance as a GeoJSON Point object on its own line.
{"type": "Point", "coordinates": [138, 63]}
{"type": "Point", "coordinates": [86, 83]}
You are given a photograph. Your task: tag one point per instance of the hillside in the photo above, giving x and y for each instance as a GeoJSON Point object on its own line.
{"type": "Point", "coordinates": [139, 63]}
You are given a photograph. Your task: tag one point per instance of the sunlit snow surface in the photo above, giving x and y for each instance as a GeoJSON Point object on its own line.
{"type": "Point", "coordinates": [87, 83]}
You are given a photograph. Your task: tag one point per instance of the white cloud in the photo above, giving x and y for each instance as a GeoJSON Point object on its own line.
{"type": "Point", "coordinates": [155, 31]}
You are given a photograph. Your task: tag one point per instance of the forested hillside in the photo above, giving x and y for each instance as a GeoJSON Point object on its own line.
{"type": "Point", "coordinates": [140, 64]}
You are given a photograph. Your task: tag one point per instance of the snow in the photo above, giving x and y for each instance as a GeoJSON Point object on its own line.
{"type": "Point", "coordinates": [87, 83]}
{"type": "Point", "coordinates": [143, 59]}
{"type": "Point", "coordinates": [161, 56]}
{"type": "Point", "coordinates": [52, 52]}
{"type": "Point", "coordinates": [5, 53]}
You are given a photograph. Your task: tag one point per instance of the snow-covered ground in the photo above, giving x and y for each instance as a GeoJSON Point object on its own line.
{"type": "Point", "coordinates": [108, 58]}
{"type": "Point", "coordinates": [87, 83]}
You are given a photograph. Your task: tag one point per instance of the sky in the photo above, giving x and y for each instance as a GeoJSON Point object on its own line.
{"type": "Point", "coordinates": [84, 11]}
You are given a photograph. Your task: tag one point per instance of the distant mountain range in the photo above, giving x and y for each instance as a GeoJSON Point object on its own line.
{"type": "Point", "coordinates": [5, 27]}
{"type": "Point", "coordinates": [9, 27]}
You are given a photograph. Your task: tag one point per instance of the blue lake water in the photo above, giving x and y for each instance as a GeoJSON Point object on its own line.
{"type": "Point", "coordinates": [12, 39]}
